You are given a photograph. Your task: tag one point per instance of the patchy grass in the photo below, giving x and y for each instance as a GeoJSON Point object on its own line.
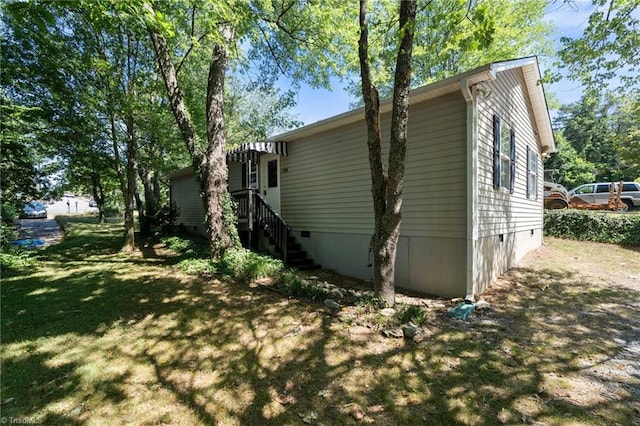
{"type": "Point", "coordinates": [93, 336]}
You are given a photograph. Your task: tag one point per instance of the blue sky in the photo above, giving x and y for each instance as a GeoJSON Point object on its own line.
{"type": "Point", "coordinates": [317, 104]}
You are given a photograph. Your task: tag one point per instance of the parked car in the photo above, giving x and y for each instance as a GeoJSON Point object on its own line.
{"type": "Point", "coordinates": [34, 210]}
{"type": "Point", "coordinates": [92, 203]}
{"type": "Point", "coordinates": [599, 193]}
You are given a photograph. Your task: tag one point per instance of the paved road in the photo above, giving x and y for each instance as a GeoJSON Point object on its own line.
{"type": "Point", "coordinates": [41, 229]}
{"type": "Point", "coordinates": [48, 229]}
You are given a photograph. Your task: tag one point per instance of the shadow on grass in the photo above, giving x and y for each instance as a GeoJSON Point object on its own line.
{"type": "Point", "coordinates": [93, 334]}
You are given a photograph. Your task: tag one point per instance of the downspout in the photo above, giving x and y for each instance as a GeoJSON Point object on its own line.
{"type": "Point", "coordinates": [471, 98]}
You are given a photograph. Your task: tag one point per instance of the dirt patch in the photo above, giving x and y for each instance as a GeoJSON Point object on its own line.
{"type": "Point", "coordinates": [580, 293]}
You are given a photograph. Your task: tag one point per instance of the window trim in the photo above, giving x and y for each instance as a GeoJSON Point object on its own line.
{"type": "Point", "coordinates": [499, 157]}
{"type": "Point", "coordinates": [272, 173]}
{"type": "Point", "coordinates": [532, 173]}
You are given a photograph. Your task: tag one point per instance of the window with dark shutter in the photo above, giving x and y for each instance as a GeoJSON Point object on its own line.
{"type": "Point", "coordinates": [528, 171]}
{"type": "Point", "coordinates": [512, 177]}
{"type": "Point", "coordinates": [496, 152]}
{"type": "Point", "coordinates": [532, 173]}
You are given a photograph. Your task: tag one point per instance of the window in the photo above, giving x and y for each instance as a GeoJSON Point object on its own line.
{"type": "Point", "coordinates": [629, 187]}
{"type": "Point", "coordinates": [532, 173]}
{"type": "Point", "coordinates": [603, 187]}
{"type": "Point", "coordinates": [249, 175]}
{"type": "Point", "coordinates": [504, 155]}
{"type": "Point", "coordinates": [586, 189]}
{"type": "Point", "coordinates": [272, 173]}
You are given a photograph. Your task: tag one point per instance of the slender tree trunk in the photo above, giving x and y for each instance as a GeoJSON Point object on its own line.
{"type": "Point", "coordinates": [129, 196]}
{"type": "Point", "coordinates": [387, 189]}
{"type": "Point", "coordinates": [210, 166]}
{"type": "Point", "coordinates": [150, 201]}
{"type": "Point", "coordinates": [98, 194]}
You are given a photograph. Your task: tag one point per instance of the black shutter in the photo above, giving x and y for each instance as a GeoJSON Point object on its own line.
{"type": "Point", "coordinates": [512, 182]}
{"type": "Point", "coordinates": [528, 171]}
{"type": "Point", "coordinates": [496, 152]}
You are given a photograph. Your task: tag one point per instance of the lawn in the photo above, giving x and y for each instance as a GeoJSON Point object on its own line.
{"type": "Point", "coordinates": [93, 336]}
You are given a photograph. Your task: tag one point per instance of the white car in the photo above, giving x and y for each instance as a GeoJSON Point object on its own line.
{"type": "Point", "coordinates": [598, 193]}
{"type": "Point", "coordinates": [34, 210]}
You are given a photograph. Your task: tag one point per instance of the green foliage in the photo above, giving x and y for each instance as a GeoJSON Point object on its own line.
{"type": "Point", "coordinates": [187, 247]}
{"type": "Point", "coordinates": [14, 261]}
{"type": "Point", "coordinates": [369, 304]}
{"type": "Point", "coordinates": [453, 36]}
{"type": "Point", "coordinates": [411, 313]}
{"type": "Point", "coordinates": [9, 234]}
{"type": "Point", "coordinates": [292, 284]}
{"type": "Point", "coordinates": [608, 51]}
{"type": "Point", "coordinates": [229, 216]}
{"type": "Point", "coordinates": [598, 140]}
{"type": "Point", "coordinates": [246, 266]}
{"type": "Point", "coordinates": [8, 213]}
{"type": "Point", "coordinates": [572, 170]}
{"type": "Point", "coordinates": [18, 163]}
{"type": "Point", "coordinates": [590, 226]}
{"type": "Point", "coordinates": [626, 138]}
{"type": "Point", "coordinates": [237, 263]}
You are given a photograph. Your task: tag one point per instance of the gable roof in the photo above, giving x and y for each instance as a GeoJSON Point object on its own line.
{"type": "Point", "coordinates": [534, 89]}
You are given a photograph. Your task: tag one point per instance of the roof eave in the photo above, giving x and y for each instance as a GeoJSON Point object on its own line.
{"type": "Point", "coordinates": [535, 89]}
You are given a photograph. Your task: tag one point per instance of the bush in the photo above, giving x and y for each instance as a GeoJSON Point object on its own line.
{"type": "Point", "coordinates": [9, 234]}
{"type": "Point", "coordinates": [247, 266]}
{"type": "Point", "coordinates": [237, 263]}
{"type": "Point", "coordinates": [14, 261]}
{"type": "Point", "coordinates": [591, 226]}
{"type": "Point", "coordinates": [411, 313]}
{"type": "Point", "coordinates": [9, 213]}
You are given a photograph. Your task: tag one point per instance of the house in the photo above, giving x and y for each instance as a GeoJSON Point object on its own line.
{"type": "Point", "coordinates": [473, 183]}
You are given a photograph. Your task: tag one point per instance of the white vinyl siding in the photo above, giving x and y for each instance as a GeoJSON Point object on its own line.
{"type": "Point", "coordinates": [326, 181]}
{"type": "Point", "coordinates": [235, 176]}
{"type": "Point", "coordinates": [498, 211]}
{"type": "Point", "coordinates": [185, 193]}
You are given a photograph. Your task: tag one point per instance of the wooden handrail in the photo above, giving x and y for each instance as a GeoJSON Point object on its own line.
{"type": "Point", "coordinates": [253, 207]}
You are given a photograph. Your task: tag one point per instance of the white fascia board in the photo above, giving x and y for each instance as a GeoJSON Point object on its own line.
{"type": "Point", "coordinates": [531, 72]}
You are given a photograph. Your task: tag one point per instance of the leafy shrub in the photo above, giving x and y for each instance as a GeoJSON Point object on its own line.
{"type": "Point", "coordinates": [9, 213]}
{"type": "Point", "coordinates": [189, 247]}
{"type": "Point", "coordinates": [591, 226]}
{"type": "Point", "coordinates": [8, 235]}
{"type": "Point", "coordinates": [291, 283]}
{"type": "Point", "coordinates": [14, 261]}
{"type": "Point", "coordinates": [247, 266]}
{"type": "Point", "coordinates": [369, 304]}
{"type": "Point", "coordinates": [411, 313]}
{"type": "Point", "coordinates": [237, 263]}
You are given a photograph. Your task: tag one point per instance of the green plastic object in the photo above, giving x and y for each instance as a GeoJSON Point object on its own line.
{"type": "Point", "coordinates": [461, 311]}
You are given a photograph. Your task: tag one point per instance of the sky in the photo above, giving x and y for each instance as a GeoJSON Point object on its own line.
{"type": "Point", "coordinates": [569, 20]}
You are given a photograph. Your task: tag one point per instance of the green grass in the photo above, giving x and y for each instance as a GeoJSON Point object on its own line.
{"type": "Point", "coordinates": [94, 336]}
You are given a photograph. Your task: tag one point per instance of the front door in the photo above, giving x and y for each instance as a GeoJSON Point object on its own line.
{"type": "Point", "coordinates": [270, 179]}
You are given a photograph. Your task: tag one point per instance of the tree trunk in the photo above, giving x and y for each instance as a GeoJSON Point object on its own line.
{"type": "Point", "coordinates": [150, 202]}
{"type": "Point", "coordinates": [98, 194]}
{"type": "Point", "coordinates": [213, 167]}
{"type": "Point", "coordinates": [210, 167]}
{"type": "Point", "coordinates": [387, 189]}
{"type": "Point", "coordinates": [129, 195]}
